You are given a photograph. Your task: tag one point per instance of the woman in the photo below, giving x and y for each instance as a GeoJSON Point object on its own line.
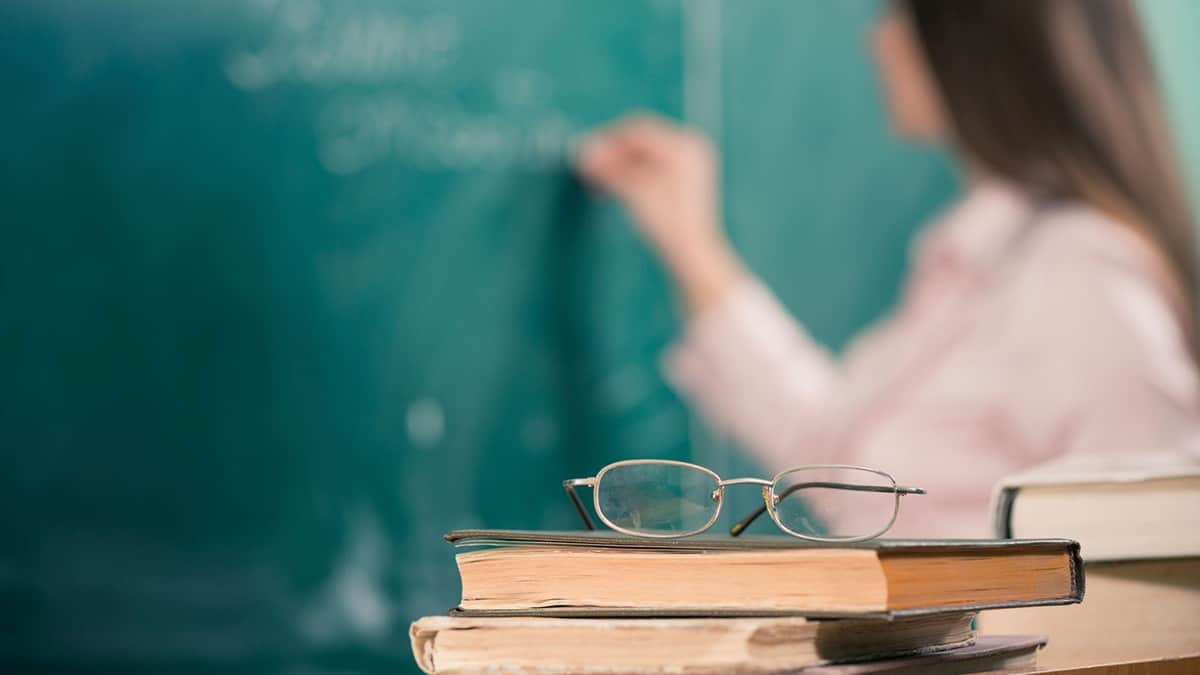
{"type": "Point", "coordinates": [1048, 312]}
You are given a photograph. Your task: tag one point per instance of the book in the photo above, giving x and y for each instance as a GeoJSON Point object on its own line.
{"type": "Point", "coordinates": [604, 574]}
{"type": "Point", "coordinates": [1008, 653]}
{"type": "Point", "coordinates": [1118, 508]}
{"type": "Point", "coordinates": [734, 645]}
{"type": "Point", "coordinates": [1133, 610]}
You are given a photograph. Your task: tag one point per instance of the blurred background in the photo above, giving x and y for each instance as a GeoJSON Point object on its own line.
{"type": "Point", "coordinates": [292, 287]}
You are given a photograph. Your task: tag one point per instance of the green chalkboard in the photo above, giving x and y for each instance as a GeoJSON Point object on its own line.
{"type": "Point", "coordinates": [1173, 29]}
{"type": "Point", "coordinates": [291, 287]}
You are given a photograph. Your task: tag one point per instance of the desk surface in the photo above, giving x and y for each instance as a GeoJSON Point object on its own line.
{"type": "Point", "coordinates": [1176, 665]}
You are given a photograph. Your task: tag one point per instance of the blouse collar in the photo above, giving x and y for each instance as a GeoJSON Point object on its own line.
{"type": "Point", "coordinates": [978, 229]}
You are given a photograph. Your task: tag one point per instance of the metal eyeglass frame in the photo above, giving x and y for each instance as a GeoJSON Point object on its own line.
{"type": "Point", "coordinates": [770, 499]}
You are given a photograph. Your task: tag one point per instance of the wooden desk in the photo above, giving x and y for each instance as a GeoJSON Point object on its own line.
{"type": "Point", "coordinates": [1178, 665]}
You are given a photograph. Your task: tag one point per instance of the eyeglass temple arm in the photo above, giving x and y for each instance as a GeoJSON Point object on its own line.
{"type": "Point", "coordinates": [742, 524]}
{"type": "Point", "coordinates": [569, 486]}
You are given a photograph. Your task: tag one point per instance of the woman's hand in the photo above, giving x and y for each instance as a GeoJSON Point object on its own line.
{"type": "Point", "coordinates": [666, 177]}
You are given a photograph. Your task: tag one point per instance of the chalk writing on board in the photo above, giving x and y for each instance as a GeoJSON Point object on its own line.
{"type": "Point", "coordinates": [355, 133]}
{"type": "Point", "coordinates": [360, 48]}
{"type": "Point", "coordinates": [392, 93]}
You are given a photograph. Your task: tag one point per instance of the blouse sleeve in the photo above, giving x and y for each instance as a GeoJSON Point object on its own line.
{"type": "Point", "coordinates": [757, 376]}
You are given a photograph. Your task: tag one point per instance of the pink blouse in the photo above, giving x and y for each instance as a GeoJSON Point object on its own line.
{"type": "Point", "coordinates": [1023, 334]}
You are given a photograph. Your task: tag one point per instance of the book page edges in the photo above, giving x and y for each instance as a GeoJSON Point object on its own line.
{"type": "Point", "coordinates": [729, 644]}
{"type": "Point", "coordinates": [422, 633]}
{"type": "Point", "coordinates": [651, 580]}
{"type": "Point", "coordinates": [989, 581]}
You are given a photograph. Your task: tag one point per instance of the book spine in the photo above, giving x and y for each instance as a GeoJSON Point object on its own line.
{"type": "Point", "coordinates": [1078, 581]}
{"type": "Point", "coordinates": [1002, 517]}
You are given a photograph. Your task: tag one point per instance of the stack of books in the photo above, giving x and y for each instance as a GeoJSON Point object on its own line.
{"type": "Point", "coordinates": [546, 602]}
{"type": "Point", "coordinates": [1137, 520]}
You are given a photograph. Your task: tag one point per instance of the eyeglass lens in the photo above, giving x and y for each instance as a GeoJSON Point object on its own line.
{"type": "Point", "coordinates": [657, 499]}
{"type": "Point", "coordinates": [835, 502]}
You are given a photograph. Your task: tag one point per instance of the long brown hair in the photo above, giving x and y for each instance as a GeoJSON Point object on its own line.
{"type": "Point", "coordinates": [1060, 97]}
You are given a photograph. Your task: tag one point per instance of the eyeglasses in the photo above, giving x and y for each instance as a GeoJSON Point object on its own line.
{"type": "Point", "coordinates": [661, 498]}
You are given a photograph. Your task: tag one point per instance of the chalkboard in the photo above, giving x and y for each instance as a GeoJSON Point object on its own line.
{"type": "Point", "coordinates": [1173, 29]}
{"type": "Point", "coordinates": [291, 287]}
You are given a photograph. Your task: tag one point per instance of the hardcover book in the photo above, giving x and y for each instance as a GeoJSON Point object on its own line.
{"type": "Point", "coordinates": [527, 573]}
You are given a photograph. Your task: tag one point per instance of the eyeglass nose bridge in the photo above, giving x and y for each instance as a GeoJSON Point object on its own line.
{"type": "Point", "coordinates": [721, 485]}
{"type": "Point", "coordinates": [745, 481]}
